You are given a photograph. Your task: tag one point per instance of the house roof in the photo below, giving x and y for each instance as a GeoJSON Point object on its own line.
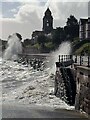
{"type": "Point", "coordinates": [83, 21]}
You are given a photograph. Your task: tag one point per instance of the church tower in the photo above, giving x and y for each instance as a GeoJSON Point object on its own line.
{"type": "Point", "coordinates": [47, 22]}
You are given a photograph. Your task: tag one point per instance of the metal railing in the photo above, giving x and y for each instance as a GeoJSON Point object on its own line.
{"type": "Point", "coordinates": [80, 60]}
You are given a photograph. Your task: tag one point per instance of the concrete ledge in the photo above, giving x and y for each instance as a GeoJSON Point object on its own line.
{"type": "Point", "coordinates": [84, 67]}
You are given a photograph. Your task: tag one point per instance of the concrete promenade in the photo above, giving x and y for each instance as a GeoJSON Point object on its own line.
{"type": "Point", "coordinates": [30, 111]}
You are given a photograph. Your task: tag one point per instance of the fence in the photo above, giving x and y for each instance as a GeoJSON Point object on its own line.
{"type": "Point", "coordinates": [80, 60]}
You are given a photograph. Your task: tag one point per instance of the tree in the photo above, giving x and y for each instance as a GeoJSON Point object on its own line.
{"type": "Point", "coordinates": [27, 42]}
{"type": "Point", "coordinates": [72, 21]}
{"type": "Point", "coordinates": [72, 27]}
{"type": "Point", "coordinates": [41, 39]}
{"type": "Point", "coordinates": [58, 35]}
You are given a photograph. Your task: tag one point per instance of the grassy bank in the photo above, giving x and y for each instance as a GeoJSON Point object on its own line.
{"type": "Point", "coordinates": [81, 47]}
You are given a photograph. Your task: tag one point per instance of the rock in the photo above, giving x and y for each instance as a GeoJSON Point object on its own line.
{"type": "Point", "coordinates": [21, 97]}
{"type": "Point", "coordinates": [32, 101]}
{"type": "Point", "coordinates": [16, 97]}
{"type": "Point", "coordinates": [29, 88]}
{"type": "Point", "coordinates": [29, 95]}
{"type": "Point", "coordinates": [51, 96]}
{"type": "Point", "coordinates": [20, 69]}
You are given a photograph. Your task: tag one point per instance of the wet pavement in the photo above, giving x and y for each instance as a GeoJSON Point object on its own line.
{"type": "Point", "coordinates": [30, 111]}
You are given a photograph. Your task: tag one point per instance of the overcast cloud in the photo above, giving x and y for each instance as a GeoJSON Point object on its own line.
{"type": "Point", "coordinates": [26, 17]}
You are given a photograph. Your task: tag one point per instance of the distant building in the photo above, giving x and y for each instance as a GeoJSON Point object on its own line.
{"type": "Point", "coordinates": [48, 22]}
{"type": "Point", "coordinates": [84, 29]}
{"type": "Point", "coordinates": [47, 26]}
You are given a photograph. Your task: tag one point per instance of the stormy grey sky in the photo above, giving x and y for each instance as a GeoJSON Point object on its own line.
{"type": "Point", "coordinates": [24, 16]}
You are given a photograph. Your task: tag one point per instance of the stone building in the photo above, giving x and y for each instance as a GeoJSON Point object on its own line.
{"type": "Point", "coordinates": [84, 29]}
{"type": "Point", "coordinates": [48, 22]}
{"type": "Point", "coordinates": [47, 26]}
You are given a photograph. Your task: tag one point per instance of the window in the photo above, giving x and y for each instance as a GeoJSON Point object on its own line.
{"type": "Point", "coordinates": [81, 28]}
{"type": "Point", "coordinates": [86, 27]}
{"type": "Point", "coordinates": [81, 34]}
{"type": "Point", "coordinates": [47, 23]}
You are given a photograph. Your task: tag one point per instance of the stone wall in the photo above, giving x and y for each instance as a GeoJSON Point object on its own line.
{"type": "Point", "coordinates": [31, 50]}
{"type": "Point", "coordinates": [82, 89]}
{"type": "Point", "coordinates": [60, 90]}
{"type": "Point", "coordinates": [65, 85]}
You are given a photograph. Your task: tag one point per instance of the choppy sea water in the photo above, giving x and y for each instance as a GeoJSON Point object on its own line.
{"type": "Point", "coordinates": [25, 85]}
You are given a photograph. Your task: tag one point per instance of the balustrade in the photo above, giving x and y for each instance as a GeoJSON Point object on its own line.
{"type": "Point", "coordinates": [80, 60]}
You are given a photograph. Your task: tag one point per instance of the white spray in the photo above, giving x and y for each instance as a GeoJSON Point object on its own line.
{"type": "Point", "coordinates": [64, 49]}
{"type": "Point", "coordinates": [14, 48]}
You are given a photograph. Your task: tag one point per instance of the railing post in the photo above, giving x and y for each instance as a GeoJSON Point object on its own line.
{"type": "Point", "coordinates": [75, 59]}
{"type": "Point", "coordinates": [70, 57]}
{"type": "Point", "coordinates": [59, 58]}
{"type": "Point", "coordinates": [88, 61]}
{"type": "Point", "coordinates": [62, 58]}
{"type": "Point", "coordinates": [66, 57]}
{"type": "Point", "coordinates": [80, 60]}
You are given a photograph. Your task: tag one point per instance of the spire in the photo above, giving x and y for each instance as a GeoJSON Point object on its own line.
{"type": "Point", "coordinates": [48, 12]}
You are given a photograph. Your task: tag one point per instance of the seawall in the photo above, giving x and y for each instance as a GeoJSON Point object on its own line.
{"type": "Point", "coordinates": [82, 101]}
